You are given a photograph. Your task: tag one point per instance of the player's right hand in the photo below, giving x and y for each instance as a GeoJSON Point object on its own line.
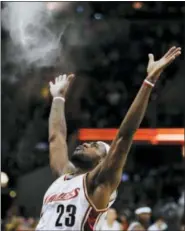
{"type": "Point", "coordinates": [61, 85]}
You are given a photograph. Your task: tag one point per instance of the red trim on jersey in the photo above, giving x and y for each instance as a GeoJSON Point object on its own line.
{"type": "Point", "coordinates": [68, 177]}
{"type": "Point", "coordinates": [85, 218]}
{"type": "Point", "coordinates": [97, 219]}
{"type": "Point", "coordinates": [91, 220]}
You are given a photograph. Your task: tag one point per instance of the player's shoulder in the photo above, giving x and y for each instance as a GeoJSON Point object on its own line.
{"type": "Point", "coordinates": [62, 183]}
{"type": "Point", "coordinates": [69, 177]}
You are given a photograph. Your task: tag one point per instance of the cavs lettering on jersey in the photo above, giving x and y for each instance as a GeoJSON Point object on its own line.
{"type": "Point", "coordinates": [66, 206]}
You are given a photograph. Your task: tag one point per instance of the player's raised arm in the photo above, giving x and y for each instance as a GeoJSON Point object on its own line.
{"type": "Point", "coordinates": [107, 175]}
{"type": "Point", "coordinates": [57, 124]}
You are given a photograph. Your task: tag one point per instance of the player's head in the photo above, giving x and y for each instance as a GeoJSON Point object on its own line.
{"type": "Point", "coordinates": [111, 214]}
{"type": "Point", "coordinates": [143, 214]}
{"type": "Point", "coordinates": [88, 155]}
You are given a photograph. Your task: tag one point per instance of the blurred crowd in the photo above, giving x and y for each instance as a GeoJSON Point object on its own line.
{"type": "Point", "coordinates": [143, 219]}
{"type": "Point", "coordinates": [122, 70]}
{"type": "Point", "coordinates": [18, 223]}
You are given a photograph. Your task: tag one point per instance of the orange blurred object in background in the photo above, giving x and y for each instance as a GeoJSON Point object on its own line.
{"type": "Point", "coordinates": [137, 5]}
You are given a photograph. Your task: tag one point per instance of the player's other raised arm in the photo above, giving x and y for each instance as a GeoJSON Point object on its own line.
{"type": "Point", "coordinates": [107, 175]}
{"type": "Point", "coordinates": [57, 124]}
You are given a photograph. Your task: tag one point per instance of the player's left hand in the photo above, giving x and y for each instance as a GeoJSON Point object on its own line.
{"type": "Point", "coordinates": [155, 68]}
{"type": "Point", "coordinates": [61, 85]}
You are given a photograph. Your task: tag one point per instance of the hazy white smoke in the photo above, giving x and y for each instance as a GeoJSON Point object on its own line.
{"type": "Point", "coordinates": [33, 39]}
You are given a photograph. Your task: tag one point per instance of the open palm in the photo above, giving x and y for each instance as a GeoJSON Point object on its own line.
{"type": "Point", "coordinates": [61, 85]}
{"type": "Point", "coordinates": [155, 68]}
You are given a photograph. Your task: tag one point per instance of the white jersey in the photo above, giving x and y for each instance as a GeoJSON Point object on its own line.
{"type": "Point", "coordinates": [66, 206]}
{"type": "Point", "coordinates": [159, 227]}
{"type": "Point", "coordinates": [105, 226]}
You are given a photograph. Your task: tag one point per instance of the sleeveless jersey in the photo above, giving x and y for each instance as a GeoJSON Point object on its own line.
{"type": "Point", "coordinates": [66, 206]}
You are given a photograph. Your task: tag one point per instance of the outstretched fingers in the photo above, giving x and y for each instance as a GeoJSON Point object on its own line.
{"type": "Point", "coordinates": [173, 56]}
{"type": "Point", "coordinates": [176, 52]}
{"type": "Point", "coordinates": [56, 80]}
{"type": "Point", "coordinates": [169, 52]}
{"type": "Point", "coordinates": [173, 52]}
{"type": "Point", "coordinates": [50, 84]}
{"type": "Point", "coordinates": [60, 77]}
{"type": "Point", "coordinates": [70, 77]}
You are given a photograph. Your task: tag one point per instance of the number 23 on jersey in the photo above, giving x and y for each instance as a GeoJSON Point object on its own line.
{"type": "Point", "coordinates": [67, 214]}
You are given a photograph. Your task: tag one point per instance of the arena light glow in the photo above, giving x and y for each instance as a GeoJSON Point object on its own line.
{"type": "Point", "coordinates": [13, 194]}
{"type": "Point", "coordinates": [137, 5]}
{"type": "Point", "coordinates": [4, 179]}
{"type": "Point", "coordinates": [153, 136]}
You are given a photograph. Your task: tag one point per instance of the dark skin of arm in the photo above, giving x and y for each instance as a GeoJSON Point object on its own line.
{"type": "Point", "coordinates": [59, 161]}
{"type": "Point", "coordinates": [105, 178]}
{"type": "Point", "coordinates": [57, 138]}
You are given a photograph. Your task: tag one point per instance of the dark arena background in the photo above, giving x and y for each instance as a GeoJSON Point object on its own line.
{"type": "Point", "coordinates": [106, 45]}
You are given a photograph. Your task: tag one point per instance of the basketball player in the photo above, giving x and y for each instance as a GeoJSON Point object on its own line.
{"type": "Point", "coordinates": [87, 185]}
{"type": "Point", "coordinates": [143, 217]}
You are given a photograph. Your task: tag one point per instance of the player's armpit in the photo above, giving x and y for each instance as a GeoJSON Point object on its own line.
{"type": "Point", "coordinates": [98, 196]}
